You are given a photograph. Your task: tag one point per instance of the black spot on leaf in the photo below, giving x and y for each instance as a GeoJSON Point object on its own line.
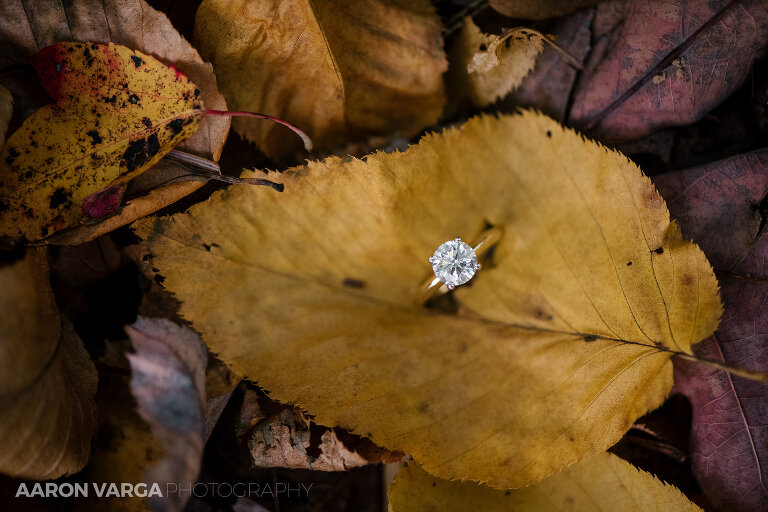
{"type": "Point", "coordinates": [59, 197]}
{"type": "Point", "coordinates": [133, 99]}
{"type": "Point", "coordinates": [137, 61]}
{"type": "Point", "coordinates": [351, 282]}
{"type": "Point", "coordinates": [175, 126]}
{"type": "Point", "coordinates": [140, 151]}
{"type": "Point", "coordinates": [12, 154]}
{"type": "Point", "coordinates": [153, 145]}
{"type": "Point", "coordinates": [88, 57]}
{"type": "Point", "coordinates": [95, 137]}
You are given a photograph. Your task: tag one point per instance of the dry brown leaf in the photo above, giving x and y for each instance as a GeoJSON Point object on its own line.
{"type": "Point", "coordinates": [28, 25]}
{"type": "Point", "coordinates": [538, 9]}
{"type": "Point", "coordinates": [152, 429]}
{"type": "Point", "coordinates": [281, 436]}
{"type": "Point", "coordinates": [47, 379]}
{"type": "Point", "coordinates": [601, 481]}
{"type": "Point", "coordinates": [168, 383]}
{"type": "Point", "coordinates": [558, 344]}
{"type": "Point", "coordinates": [336, 69]}
{"type": "Point", "coordinates": [488, 67]}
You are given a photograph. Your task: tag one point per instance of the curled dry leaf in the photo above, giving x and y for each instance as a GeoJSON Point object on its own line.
{"type": "Point", "coordinates": [152, 423]}
{"type": "Point", "coordinates": [336, 69]}
{"type": "Point", "coordinates": [538, 9]}
{"type": "Point", "coordinates": [48, 381]}
{"type": "Point", "coordinates": [6, 110]}
{"type": "Point", "coordinates": [116, 112]}
{"type": "Point", "coordinates": [26, 26]}
{"type": "Point", "coordinates": [559, 344]}
{"type": "Point", "coordinates": [168, 383]}
{"type": "Point", "coordinates": [601, 481]}
{"type": "Point", "coordinates": [282, 436]}
{"type": "Point", "coordinates": [721, 205]}
{"type": "Point", "coordinates": [490, 66]}
{"type": "Point", "coordinates": [666, 64]}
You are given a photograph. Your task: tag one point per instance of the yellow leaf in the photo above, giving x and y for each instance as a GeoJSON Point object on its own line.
{"type": "Point", "coordinates": [47, 379]}
{"type": "Point", "coordinates": [336, 69]}
{"type": "Point", "coordinates": [6, 110]}
{"type": "Point", "coordinates": [35, 24]}
{"type": "Point", "coordinates": [601, 481]}
{"type": "Point", "coordinates": [488, 66]}
{"type": "Point", "coordinates": [117, 112]}
{"type": "Point", "coordinates": [555, 349]}
{"type": "Point", "coordinates": [132, 23]}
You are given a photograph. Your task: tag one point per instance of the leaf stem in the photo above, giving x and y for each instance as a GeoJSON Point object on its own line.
{"type": "Point", "coordinates": [298, 131]}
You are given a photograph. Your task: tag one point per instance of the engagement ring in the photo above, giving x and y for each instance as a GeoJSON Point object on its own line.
{"type": "Point", "coordinates": [455, 263]}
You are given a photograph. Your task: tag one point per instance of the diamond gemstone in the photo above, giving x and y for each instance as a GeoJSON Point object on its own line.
{"type": "Point", "coordinates": [454, 262]}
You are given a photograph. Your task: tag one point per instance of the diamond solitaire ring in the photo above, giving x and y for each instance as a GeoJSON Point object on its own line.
{"type": "Point", "coordinates": [455, 262]}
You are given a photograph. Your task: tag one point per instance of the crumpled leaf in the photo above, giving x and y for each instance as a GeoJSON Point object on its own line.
{"type": "Point", "coordinates": [529, 377]}
{"type": "Point", "coordinates": [168, 382]}
{"type": "Point", "coordinates": [490, 66]}
{"type": "Point", "coordinates": [600, 482]}
{"type": "Point", "coordinates": [116, 112]}
{"type": "Point", "coordinates": [29, 25]}
{"type": "Point", "coordinates": [666, 64]}
{"type": "Point", "coordinates": [151, 414]}
{"type": "Point", "coordinates": [47, 379]}
{"type": "Point", "coordinates": [6, 110]}
{"type": "Point", "coordinates": [721, 205]}
{"type": "Point", "coordinates": [283, 436]}
{"type": "Point", "coordinates": [336, 69]}
{"type": "Point", "coordinates": [538, 9]}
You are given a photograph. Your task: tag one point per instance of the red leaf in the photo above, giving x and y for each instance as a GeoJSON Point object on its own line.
{"type": "Point", "coordinates": [665, 64]}
{"type": "Point", "coordinates": [721, 207]}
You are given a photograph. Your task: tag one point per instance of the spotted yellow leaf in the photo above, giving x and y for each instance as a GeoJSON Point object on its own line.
{"type": "Point", "coordinates": [557, 345]}
{"type": "Point", "coordinates": [601, 481]}
{"type": "Point", "coordinates": [116, 113]}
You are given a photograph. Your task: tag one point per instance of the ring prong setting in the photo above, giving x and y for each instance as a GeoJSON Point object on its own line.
{"type": "Point", "coordinates": [454, 263]}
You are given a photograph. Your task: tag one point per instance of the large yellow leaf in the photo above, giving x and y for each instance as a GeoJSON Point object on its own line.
{"type": "Point", "coordinates": [336, 69]}
{"type": "Point", "coordinates": [320, 285]}
{"type": "Point", "coordinates": [600, 482]}
{"type": "Point", "coordinates": [47, 380]}
{"type": "Point", "coordinates": [116, 113]}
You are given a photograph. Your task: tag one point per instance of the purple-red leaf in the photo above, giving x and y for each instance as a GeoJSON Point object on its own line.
{"type": "Point", "coordinates": [722, 206]}
{"type": "Point", "coordinates": [662, 64]}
